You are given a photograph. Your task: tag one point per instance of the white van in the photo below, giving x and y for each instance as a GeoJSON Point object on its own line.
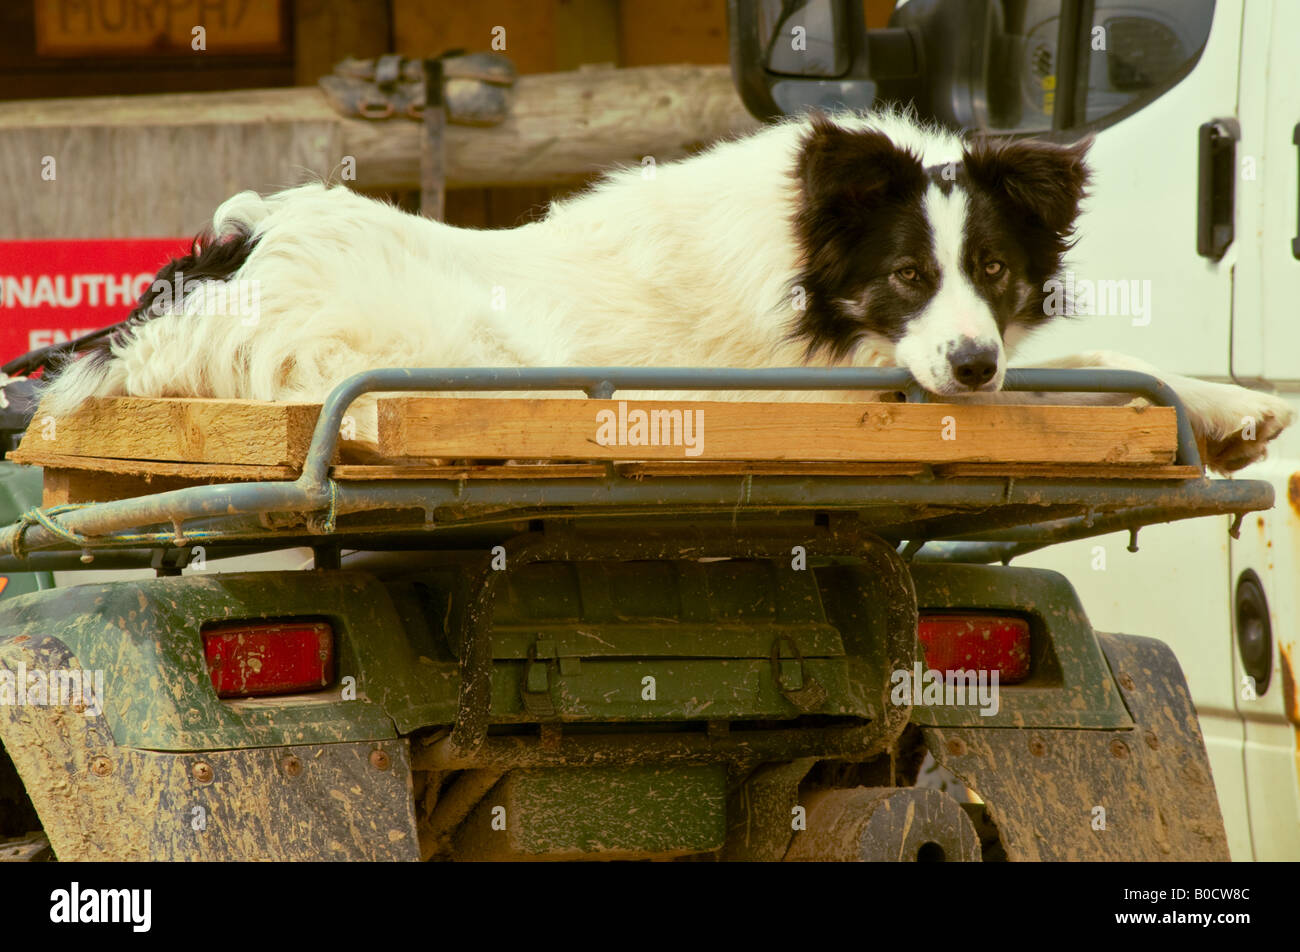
{"type": "Point", "coordinates": [1189, 257]}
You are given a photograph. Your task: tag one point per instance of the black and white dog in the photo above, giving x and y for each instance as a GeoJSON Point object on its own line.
{"type": "Point", "coordinates": [839, 240]}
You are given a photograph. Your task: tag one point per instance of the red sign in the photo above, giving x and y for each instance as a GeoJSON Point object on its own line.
{"type": "Point", "coordinates": [53, 291]}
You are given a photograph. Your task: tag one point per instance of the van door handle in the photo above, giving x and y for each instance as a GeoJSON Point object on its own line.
{"type": "Point", "coordinates": [1215, 175]}
{"type": "Point", "coordinates": [1295, 242]}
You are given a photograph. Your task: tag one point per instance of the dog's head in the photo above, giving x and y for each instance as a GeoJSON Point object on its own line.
{"type": "Point", "coordinates": [939, 267]}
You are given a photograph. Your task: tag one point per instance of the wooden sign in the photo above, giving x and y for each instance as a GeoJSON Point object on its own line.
{"type": "Point", "coordinates": [108, 28]}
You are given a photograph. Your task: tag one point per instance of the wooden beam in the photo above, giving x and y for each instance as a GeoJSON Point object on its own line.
{"type": "Point", "coordinates": [366, 473]}
{"type": "Point", "coordinates": [759, 468]}
{"type": "Point", "coordinates": [92, 479]}
{"type": "Point", "coordinates": [559, 429]}
{"type": "Point", "coordinates": [176, 157]}
{"type": "Point", "coordinates": [94, 485]}
{"type": "Point", "coordinates": [942, 470]}
{"type": "Point", "coordinates": [564, 126]}
{"type": "Point", "coordinates": [182, 430]}
{"type": "Point", "coordinates": [148, 469]}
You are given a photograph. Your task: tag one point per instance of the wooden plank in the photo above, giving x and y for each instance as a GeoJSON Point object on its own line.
{"type": "Point", "coordinates": [563, 127]}
{"type": "Point", "coordinates": [201, 472]}
{"type": "Point", "coordinates": [559, 429]}
{"type": "Point", "coordinates": [353, 473]}
{"type": "Point", "coordinates": [1018, 470]}
{"type": "Point", "coordinates": [756, 468]}
{"type": "Point", "coordinates": [179, 429]}
{"type": "Point", "coordinates": [84, 485]}
{"type": "Point", "coordinates": [1073, 471]}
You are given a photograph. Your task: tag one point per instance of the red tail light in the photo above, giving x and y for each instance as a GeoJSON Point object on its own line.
{"type": "Point", "coordinates": [251, 659]}
{"type": "Point", "coordinates": [977, 642]}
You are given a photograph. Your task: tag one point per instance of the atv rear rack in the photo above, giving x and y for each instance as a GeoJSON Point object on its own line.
{"type": "Point", "coordinates": [977, 516]}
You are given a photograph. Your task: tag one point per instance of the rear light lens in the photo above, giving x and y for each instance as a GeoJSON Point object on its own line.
{"type": "Point", "coordinates": [254, 659]}
{"type": "Point", "coordinates": [977, 642]}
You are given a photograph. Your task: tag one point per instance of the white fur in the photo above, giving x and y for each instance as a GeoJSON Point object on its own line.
{"type": "Point", "coordinates": [690, 267]}
{"type": "Point", "coordinates": [956, 315]}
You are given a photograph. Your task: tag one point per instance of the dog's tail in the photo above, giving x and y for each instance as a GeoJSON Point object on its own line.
{"type": "Point", "coordinates": [88, 369]}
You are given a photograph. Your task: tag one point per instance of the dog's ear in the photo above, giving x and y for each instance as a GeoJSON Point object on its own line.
{"type": "Point", "coordinates": [1044, 180]}
{"type": "Point", "coordinates": [859, 167]}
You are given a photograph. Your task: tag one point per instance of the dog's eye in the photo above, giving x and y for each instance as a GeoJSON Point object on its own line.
{"type": "Point", "coordinates": [908, 274]}
{"type": "Point", "coordinates": [994, 268]}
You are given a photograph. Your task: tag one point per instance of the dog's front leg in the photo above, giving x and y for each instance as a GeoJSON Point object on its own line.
{"type": "Point", "coordinates": [1234, 424]}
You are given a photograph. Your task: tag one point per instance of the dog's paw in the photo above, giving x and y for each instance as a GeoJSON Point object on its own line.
{"type": "Point", "coordinates": [1236, 428]}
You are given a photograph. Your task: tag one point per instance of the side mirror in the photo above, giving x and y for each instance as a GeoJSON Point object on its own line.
{"type": "Point", "coordinates": [963, 48]}
{"type": "Point", "coordinates": [788, 56]}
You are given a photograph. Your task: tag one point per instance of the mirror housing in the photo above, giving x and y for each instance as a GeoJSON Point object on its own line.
{"type": "Point", "coordinates": [788, 56]}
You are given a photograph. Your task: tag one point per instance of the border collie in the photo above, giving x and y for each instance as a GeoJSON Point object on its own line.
{"type": "Point", "coordinates": [844, 240]}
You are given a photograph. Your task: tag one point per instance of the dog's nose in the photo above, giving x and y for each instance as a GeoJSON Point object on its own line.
{"type": "Point", "coordinates": [974, 364]}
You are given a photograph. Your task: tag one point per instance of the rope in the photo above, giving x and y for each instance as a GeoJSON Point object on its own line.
{"type": "Point", "coordinates": [45, 519]}
{"type": "Point", "coordinates": [333, 510]}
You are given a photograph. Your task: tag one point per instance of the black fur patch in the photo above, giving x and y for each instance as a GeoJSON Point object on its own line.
{"type": "Point", "coordinates": [1023, 201]}
{"type": "Point", "coordinates": [859, 218]}
{"type": "Point", "coordinates": [210, 259]}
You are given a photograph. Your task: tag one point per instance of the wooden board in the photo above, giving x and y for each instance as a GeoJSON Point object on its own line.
{"type": "Point", "coordinates": [757, 468]}
{"type": "Point", "coordinates": [1075, 471]}
{"type": "Point", "coordinates": [182, 430]}
{"type": "Point", "coordinates": [89, 479]}
{"type": "Point", "coordinates": [562, 429]}
{"type": "Point", "coordinates": [357, 473]}
{"type": "Point", "coordinates": [229, 472]}
{"type": "Point", "coordinates": [84, 485]}
{"type": "Point", "coordinates": [1015, 470]}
